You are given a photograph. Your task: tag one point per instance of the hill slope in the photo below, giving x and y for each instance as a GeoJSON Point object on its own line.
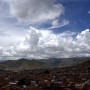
{"type": "Point", "coordinates": [42, 63]}
{"type": "Point", "coordinates": [22, 64]}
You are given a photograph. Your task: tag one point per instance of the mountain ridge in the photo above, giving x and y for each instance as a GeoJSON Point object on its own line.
{"type": "Point", "coordinates": [27, 64]}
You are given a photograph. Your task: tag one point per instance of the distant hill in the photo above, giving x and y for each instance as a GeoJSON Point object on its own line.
{"type": "Point", "coordinates": [85, 64]}
{"type": "Point", "coordinates": [22, 64]}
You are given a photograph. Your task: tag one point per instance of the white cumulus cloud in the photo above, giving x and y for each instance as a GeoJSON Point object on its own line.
{"type": "Point", "coordinates": [47, 44]}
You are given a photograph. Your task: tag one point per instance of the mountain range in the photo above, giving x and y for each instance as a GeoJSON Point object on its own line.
{"type": "Point", "coordinates": [26, 64]}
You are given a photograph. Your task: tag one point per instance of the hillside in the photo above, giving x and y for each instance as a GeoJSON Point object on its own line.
{"type": "Point", "coordinates": [85, 64]}
{"type": "Point", "coordinates": [22, 64]}
{"type": "Point", "coordinates": [42, 63]}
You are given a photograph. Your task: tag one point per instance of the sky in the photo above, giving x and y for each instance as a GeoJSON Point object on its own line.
{"type": "Point", "coordinates": [38, 29]}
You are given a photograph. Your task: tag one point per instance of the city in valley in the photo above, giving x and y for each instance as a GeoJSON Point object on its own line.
{"type": "Point", "coordinates": [65, 78]}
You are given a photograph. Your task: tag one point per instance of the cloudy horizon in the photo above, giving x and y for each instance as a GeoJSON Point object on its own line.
{"type": "Point", "coordinates": [38, 29]}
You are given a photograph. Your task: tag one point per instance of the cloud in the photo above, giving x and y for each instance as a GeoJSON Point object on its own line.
{"type": "Point", "coordinates": [3, 9]}
{"type": "Point", "coordinates": [34, 11]}
{"type": "Point", "coordinates": [89, 11]}
{"type": "Point", "coordinates": [10, 35]}
{"type": "Point", "coordinates": [10, 28]}
{"type": "Point", "coordinates": [66, 1]}
{"type": "Point", "coordinates": [57, 24]}
{"type": "Point", "coordinates": [47, 44]}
